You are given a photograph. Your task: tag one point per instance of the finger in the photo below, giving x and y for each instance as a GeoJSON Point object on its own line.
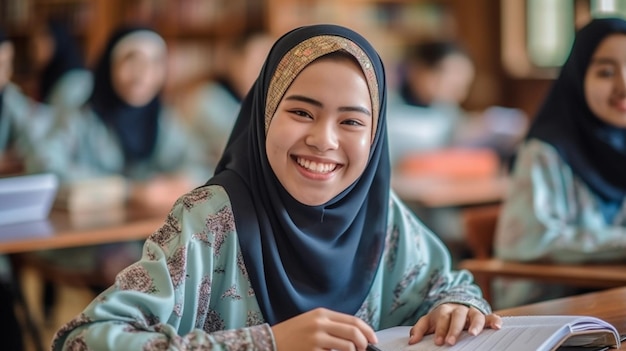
{"type": "Point", "coordinates": [477, 321]}
{"type": "Point", "coordinates": [364, 328]}
{"type": "Point", "coordinates": [347, 332]}
{"type": "Point", "coordinates": [329, 342]}
{"type": "Point", "coordinates": [420, 329]}
{"type": "Point", "coordinates": [458, 318]}
{"type": "Point", "coordinates": [442, 326]}
{"type": "Point", "coordinates": [493, 321]}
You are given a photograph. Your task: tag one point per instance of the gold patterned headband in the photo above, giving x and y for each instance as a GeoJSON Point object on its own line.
{"type": "Point", "coordinates": [306, 52]}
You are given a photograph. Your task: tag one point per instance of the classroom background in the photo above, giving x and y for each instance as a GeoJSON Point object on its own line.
{"type": "Point", "coordinates": [515, 47]}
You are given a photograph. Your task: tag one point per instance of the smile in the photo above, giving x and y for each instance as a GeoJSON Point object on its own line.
{"type": "Point", "coordinates": [316, 167]}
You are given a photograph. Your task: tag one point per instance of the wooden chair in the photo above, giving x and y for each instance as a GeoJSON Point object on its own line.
{"type": "Point", "coordinates": [480, 224]}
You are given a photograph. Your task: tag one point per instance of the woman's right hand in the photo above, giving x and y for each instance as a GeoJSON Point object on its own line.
{"type": "Point", "coordinates": [323, 329]}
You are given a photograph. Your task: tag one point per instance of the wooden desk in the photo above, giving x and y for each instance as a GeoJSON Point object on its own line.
{"type": "Point", "coordinates": [609, 305]}
{"type": "Point", "coordinates": [441, 192]}
{"type": "Point", "coordinates": [587, 275]}
{"type": "Point", "coordinates": [64, 229]}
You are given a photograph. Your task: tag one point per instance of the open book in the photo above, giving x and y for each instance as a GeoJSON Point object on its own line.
{"type": "Point", "coordinates": [518, 333]}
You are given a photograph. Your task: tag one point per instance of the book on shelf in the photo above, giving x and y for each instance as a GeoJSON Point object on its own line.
{"type": "Point", "coordinates": [518, 333]}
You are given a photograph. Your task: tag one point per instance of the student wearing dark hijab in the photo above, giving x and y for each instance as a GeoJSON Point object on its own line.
{"type": "Point", "coordinates": [22, 120]}
{"type": "Point", "coordinates": [64, 80]}
{"type": "Point", "coordinates": [567, 200]}
{"type": "Point", "coordinates": [297, 242]}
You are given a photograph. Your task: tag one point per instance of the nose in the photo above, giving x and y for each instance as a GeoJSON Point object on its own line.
{"type": "Point", "coordinates": [322, 136]}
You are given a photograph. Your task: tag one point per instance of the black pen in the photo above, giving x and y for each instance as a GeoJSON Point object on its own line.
{"type": "Point", "coordinates": [371, 347]}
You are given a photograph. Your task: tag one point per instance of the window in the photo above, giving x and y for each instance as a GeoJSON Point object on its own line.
{"type": "Point", "coordinates": [536, 43]}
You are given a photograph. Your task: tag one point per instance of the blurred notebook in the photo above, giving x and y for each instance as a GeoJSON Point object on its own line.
{"type": "Point", "coordinates": [27, 197]}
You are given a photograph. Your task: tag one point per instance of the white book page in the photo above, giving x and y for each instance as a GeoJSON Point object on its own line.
{"type": "Point", "coordinates": [516, 334]}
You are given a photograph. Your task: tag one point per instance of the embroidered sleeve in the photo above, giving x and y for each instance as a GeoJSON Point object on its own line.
{"type": "Point", "coordinates": [420, 273]}
{"type": "Point", "coordinates": [551, 214]}
{"type": "Point", "coordinates": [167, 299]}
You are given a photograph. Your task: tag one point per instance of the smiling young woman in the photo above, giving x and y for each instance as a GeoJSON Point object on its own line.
{"type": "Point", "coordinates": [297, 242]}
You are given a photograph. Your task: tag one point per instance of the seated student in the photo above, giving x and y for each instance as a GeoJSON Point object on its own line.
{"type": "Point", "coordinates": [297, 242]}
{"type": "Point", "coordinates": [423, 114]}
{"type": "Point", "coordinates": [124, 130]}
{"type": "Point", "coordinates": [567, 199]}
{"type": "Point", "coordinates": [21, 119]}
{"type": "Point", "coordinates": [218, 102]}
{"type": "Point", "coordinates": [64, 80]}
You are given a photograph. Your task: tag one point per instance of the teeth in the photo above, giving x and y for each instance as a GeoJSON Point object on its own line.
{"type": "Point", "coordinates": [315, 166]}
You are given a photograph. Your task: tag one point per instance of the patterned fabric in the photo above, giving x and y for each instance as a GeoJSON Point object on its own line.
{"type": "Point", "coordinates": [550, 213]}
{"type": "Point", "coordinates": [191, 289]}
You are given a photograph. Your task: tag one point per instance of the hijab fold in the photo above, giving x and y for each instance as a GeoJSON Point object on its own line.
{"type": "Point", "coordinates": [595, 150]}
{"type": "Point", "coordinates": [302, 257]}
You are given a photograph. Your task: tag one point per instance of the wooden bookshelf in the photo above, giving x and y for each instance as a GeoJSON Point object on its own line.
{"type": "Point", "coordinates": [194, 27]}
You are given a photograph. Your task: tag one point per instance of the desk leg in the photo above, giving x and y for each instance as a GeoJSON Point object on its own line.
{"type": "Point", "coordinates": [20, 299]}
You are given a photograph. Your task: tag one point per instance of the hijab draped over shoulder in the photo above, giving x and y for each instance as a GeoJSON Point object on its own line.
{"type": "Point", "coordinates": [66, 56]}
{"type": "Point", "coordinates": [301, 257]}
{"type": "Point", "coordinates": [136, 127]}
{"type": "Point", "coordinates": [595, 150]}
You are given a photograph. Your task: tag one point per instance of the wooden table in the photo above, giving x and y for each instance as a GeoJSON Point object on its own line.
{"type": "Point", "coordinates": [441, 192]}
{"type": "Point", "coordinates": [609, 305]}
{"type": "Point", "coordinates": [64, 229]}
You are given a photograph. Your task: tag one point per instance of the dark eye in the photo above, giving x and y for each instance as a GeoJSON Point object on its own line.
{"type": "Point", "coordinates": [352, 122]}
{"type": "Point", "coordinates": [605, 73]}
{"type": "Point", "coordinates": [301, 113]}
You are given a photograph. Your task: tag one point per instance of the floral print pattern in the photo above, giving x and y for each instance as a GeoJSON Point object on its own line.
{"type": "Point", "coordinates": [212, 277]}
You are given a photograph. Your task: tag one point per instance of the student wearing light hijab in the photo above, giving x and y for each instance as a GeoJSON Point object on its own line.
{"type": "Point", "coordinates": [297, 242]}
{"type": "Point", "coordinates": [124, 130]}
{"type": "Point", "coordinates": [64, 80]}
{"type": "Point", "coordinates": [567, 200]}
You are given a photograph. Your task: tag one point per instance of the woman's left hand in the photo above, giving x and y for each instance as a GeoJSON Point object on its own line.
{"type": "Point", "coordinates": [448, 320]}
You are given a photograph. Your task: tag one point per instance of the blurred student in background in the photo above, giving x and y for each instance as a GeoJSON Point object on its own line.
{"type": "Point", "coordinates": [15, 115]}
{"type": "Point", "coordinates": [423, 113]}
{"type": "Point", "coordinates": [63, 79]}
{"type": "Point", "coordinates": [567, 199]}
{"type": "Point", "coordinates": [218, 102]}
{"type": "Point", "coordinates": [123, 130]}
{"type": "Point", "coordinates": [22, 120]}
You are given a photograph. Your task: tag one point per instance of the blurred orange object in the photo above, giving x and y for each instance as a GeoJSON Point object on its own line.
{"type": "Point", "coordinates": [451, 163]}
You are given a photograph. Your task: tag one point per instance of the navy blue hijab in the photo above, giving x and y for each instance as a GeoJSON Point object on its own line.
{"type": "Point", "coordinates": [301, 257]}
{"type": "Point", "coordinates": [595, 150]}
{"type": "Point", "coordinates": [136, 127]}
{"type": "Point", "coordinates": [66, 57]}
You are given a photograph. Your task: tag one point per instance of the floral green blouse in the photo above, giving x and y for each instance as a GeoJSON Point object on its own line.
{"type": "Point", "coordinates": [191, 289]}
{"type": "Point", "coordinates": [550, 213]}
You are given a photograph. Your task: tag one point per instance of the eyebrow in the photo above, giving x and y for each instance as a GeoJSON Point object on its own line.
{"type": "Point", "coordinates": [602, 60]}
{"type": "Point", "coordinates": [319, 104]}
